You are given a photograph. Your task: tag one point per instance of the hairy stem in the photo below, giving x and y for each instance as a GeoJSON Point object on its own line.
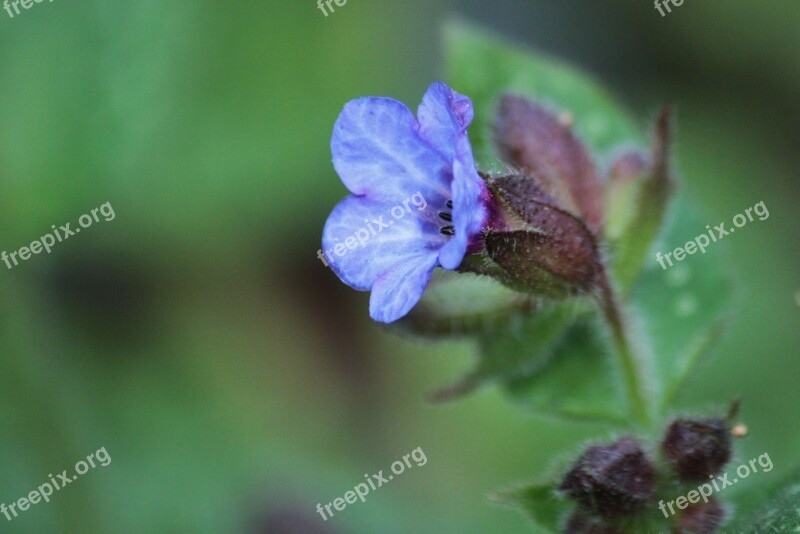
{"type": "Point", "coordinates": [631, 365]}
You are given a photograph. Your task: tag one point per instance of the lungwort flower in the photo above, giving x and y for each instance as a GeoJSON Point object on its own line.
{"type": "Point", "coordinates": [374, 239]}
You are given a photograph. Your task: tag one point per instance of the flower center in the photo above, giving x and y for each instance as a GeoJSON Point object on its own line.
{"type": "Point", "coordinates": [446, 216]}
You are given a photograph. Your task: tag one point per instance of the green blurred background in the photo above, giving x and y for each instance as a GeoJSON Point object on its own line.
{"type": "Point", "coordinates": [234, 381]}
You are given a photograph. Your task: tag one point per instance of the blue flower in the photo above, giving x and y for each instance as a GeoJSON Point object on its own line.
{"type": "Point", "coordinates": [417, 201]}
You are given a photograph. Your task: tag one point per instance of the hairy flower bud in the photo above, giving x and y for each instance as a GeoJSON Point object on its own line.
{"type": "Point", "coordinates": [701, 518]}
{"type": "Point", "coordinates": [611, 480]}
{"type": "Point", "coordinates": [639, 190]}
{"type": "Point", "coordinates": [542, 247]}
{"type": "Point", "coordinates": [582, 523]}
{"type": "Point", "coordinates": [532, 138]}
{"type": "Point", "coordinates": [697, 448]}
{"type": "Point", "coordinates": [629, 166]}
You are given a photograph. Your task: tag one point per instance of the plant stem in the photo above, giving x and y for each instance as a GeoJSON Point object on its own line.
{"type": "Point", "coordinates": [630, 364]}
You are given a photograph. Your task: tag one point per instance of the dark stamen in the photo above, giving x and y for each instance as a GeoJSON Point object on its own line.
{"type": "Point", "coordinates": [448, 230]}
{"type": "Point", "coordinates": [449, 204]}
{"type": "Point", "coordinates": [445, 216]}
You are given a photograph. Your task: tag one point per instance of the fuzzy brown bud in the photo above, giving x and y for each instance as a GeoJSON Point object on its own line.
{"type": "Point", "coordinates": [543, 246]}
{"type": "Point", "coordinates": [697, 449]}
{"type": "Point", "coordinates": [611, 480]}
{"type": "Point", "coordinates": [532, 138]}
{"type": "Point", "coordinates": [582, 523]}
{"type": "Point", "coordinates": [701, 518]}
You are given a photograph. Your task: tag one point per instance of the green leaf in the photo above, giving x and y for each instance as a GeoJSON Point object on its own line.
{"type": "Point", "coordinates": [539, 501]}
{"type": "Point", "coordinates": [680, 312]}
{"type": "Point", "coordinates": [683, 308]}
{"type": "Point", "coordinates": [581, 380]}
{"type": "Point", "coordinates": [483, 67]}
{"type": "Point", "coordinates": [780, 514]}
{"type": "Point", "coordinates": [536, 357]}
{"type": "Point", "coordinates": [518, 348]}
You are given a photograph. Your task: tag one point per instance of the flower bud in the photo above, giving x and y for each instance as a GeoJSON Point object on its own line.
{"type": "Point", "coordinates": [582, 523]}
{"type": "Point", "coordinates": [701, 518]}
{"type": "Point", "coordinates": [640, 187]}
{"type": "Point", "coordinates": [541, 246]}
{"type": "Point", "coordinates": [611, 480]}
{"type": "Point", "coordinates": [530, 137]}
{"type": "Point", "coordinates": [629, 166]}
{"type": "Point", "coordinates": [623, 192]}
{"type": "Point", "coordinates": [697, 449]}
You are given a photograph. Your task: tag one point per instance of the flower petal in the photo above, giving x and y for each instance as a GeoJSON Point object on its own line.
{"type": "Point", "coordinates": [363, 239]}
{"type": "Point", "coordinates": [378, 152]}
{"type": "Point", "coordinates": [469, 207]}
{"type": "Point", "coordinates": [399, 289]}
{"type": "Point", "coordinates": [443, 116]}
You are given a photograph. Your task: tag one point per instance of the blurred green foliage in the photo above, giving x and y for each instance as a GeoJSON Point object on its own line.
{"type": "Point", "coordinates": [229, 375]}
